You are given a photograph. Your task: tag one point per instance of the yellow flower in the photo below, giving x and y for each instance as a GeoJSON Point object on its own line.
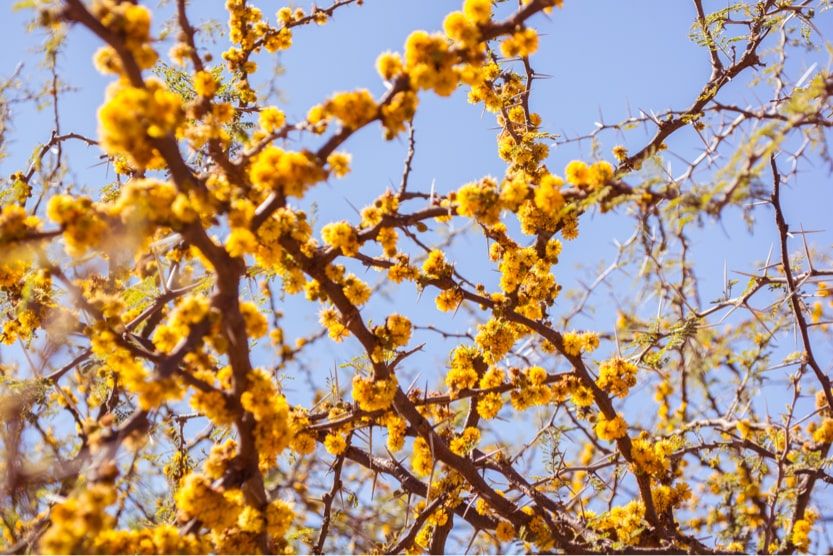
{"type": "Point", "coordinates": [241, 241]}
{"type": "Point", "coordinates": [824, 434]}
{"type": "Point", "coordinates": [341, 235]}
{"type": "Point", "coordinates": [339, 164]}
{"type": "Point", "coordinates": [548, 196]}
{"type": "Point", "coordinates": [490, 405]}
{"type": "Point", "coordinates": [288, 172]}
{"type": "Point", "coordinates": [132, 118]}
{"type": "Point", "coordinates": [466, 442]}
{"type": "Point", "coordinates": [577, 173]}
{"type": "Point", "coordinates": [478, 11]}
{"type": "Point", "coordinates": [435, 265]}
{"type": "Point", "coordinates": [205, 84]}
{"type": "Point", "coordinates": [612, 429]}
{"type": "Point", "coordinates": [279, 516]}
{"type": "Point", "coordinates": [448, 300]}
{"type": "Point", "coordinates": [620, 152]}
{"type": "Point", "coordinates": [801, 534]}
{"type": "Point", "coordinates": [495, 338]}
{"type": "Point", "coordinates": [429, 63]}
{"type": "Point", "coordinates": [256, 324]}
{"type": "Point", "coordinates": [335, 444]}
{"type": "Point", "coordinates": [462, 374]}
{"type": "Point", "coordinates": [389, 65]}
{"type": "Point", "coordinates": [461, 29]}
{"type": "Point", "coordinates": [505, 531]}
{"type": "Point", "coordinates": [352, 108]}
{"type": "Point", "coordinates": [421, 461]}
{"type": "Point", "coordinates": [480, 200]}
{"type": "Point", "coordinates": [617, 376]}
{"type": "Point", "coordinates": [521, 44]}
{"type": "Point", "coordinates": [371, 394]}
{"type": "Point", "coordinates": [331, 320]}
{"type": "Point", "coordinates": [600, 174]}
{"type": "Point", "coordinates": [271, 119]}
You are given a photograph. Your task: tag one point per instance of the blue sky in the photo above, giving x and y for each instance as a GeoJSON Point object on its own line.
{"type": "Point", "coordinates": [604, 57]}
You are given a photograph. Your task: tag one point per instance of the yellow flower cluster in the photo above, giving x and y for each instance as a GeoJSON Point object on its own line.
{"type": "Point", "coordinates": [489, 405]}
{"type": "Point", "coordinates": [667, 497]}
{"type": "Point", "coordinates": [352, 108]}
{"type": "Point", "coordinates": [15, 256]}
{"type": "Point", "coordinates": [515, 265]}
{"type": "Point", "coordinates": [617, 376]}
{"type": "Point", "coordinates": [387, 238]}
{"type": "Point", "coordinates": [240, 242]}
{"type": "Point", "coordinates": [395, 333]}
{"type": "Point", "coordinates": [255, 322]}
{"type": "Point", "coordinates": [478, 11]}
{"type": "Point", "coordinates": [217, 509]}
{"type": "Point", "coordinates": [286, 172]}
{"type": "Point", "coordinates": [161, 539]}
{"type": "Point", "coordinates": [212, 403]}
{"type": "Point", "coordinates": [532, 390]}
{"type": "Point", "coordinates": [152, 391]}
{"type": "Point", "coordinates": [521, 44]}
{"type": "Point", "coordinates": [131, 118]}
{"type": "Point", "coordinates": [389, 65]}
{"type": "Point", "coordinates": [373, 395]}
{"type": "Point", "coordinates": [592, 176]}
{"type": "Point", "coordinates": [577, 342]}
{"type": "Point", "coordinates": [143, 202]}
{"type": "Point", "coordinates": [330, 319]}
{"type": "Point", "coordinates": [397, 112]}
{"type": "Point", "coordinates": [429, 63]}
{"type": "Point", "coordinates": [538, 531]}
{"type": "Point", "coordinates": [131, 24]}
{"type": "Point", "coordinates": [396, 428]}
{"type": "Point", "coordinates": [824, 433]}
{"type": "Point", "coordinates": [271, 119]}
{"type": "Point", "coordinates": [342, 236]}
{"type": "Point", "coordinates": [652, 458]}
{"type": "Point", "coordinates": [339, 163]}
{"type": "Point", "coordinates": [384, 205]}
{"type": "Point", "coordinates": [422, 461]}
{"type": "Point", "coordinates": [435, 265]}
{"type": "Point", "coordinates": [189, 311]}
{"type": "Point", "coordinates": [335, 443]}
{"type": "Point", "coordinates": [548, 197]}
{"type": "Point", "coordinates": [31, 300]}
{"type": "Point", "coordinates": [461, 29]}
{"type": "Point", "coordinates": [505, 531]}
{"type": "Point", "coordinates": [83, 224]}
{"type": "Point", "coordinates": [625, 523]}
{"type": "Point", "coordinates": [76, 521]}
{"type": "Point", "coordinates": [800, 536]}
{"type": "Point", "coordinates": [480, 200]}
{"type": "Point", "coordinates": [462, 374]}
{"type": "Point", "coordinates": [612, 429]}
{"type": "Point", "coordinates": [279, 516]}
{"type": "Point", "coordinates": [251, 33]}
{"type": "Point", "coordinates": [448, 300]}
{"type": "Point", "coordinates": [496, 338]}
{"type": "Point", "coordinates": [303, 442]}
{"type": "Point", "coordinates": [205, 84]}
{"type": "Point", "coordinates": [271, 413]}
{"type": "Point", "coordinates": [219, 459]}
{"type": "Point", "coordinates": [465, 442]}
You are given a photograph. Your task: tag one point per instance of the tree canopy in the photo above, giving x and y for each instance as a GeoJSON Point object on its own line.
{"type": "Point", "coordinates": [209, 348]}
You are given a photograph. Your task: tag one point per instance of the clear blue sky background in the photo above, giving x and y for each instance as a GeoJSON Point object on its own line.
{"type": "Point", "coordinates": [605, 57]}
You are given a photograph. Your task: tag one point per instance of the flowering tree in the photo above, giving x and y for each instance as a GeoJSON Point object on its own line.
{"type": "Point", "coordinates": [154, 324]}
